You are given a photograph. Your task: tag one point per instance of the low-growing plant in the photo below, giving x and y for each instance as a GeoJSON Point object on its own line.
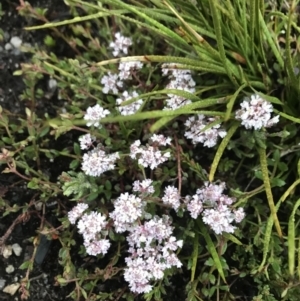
{"type": "Point", "coordinates": [184, 116]}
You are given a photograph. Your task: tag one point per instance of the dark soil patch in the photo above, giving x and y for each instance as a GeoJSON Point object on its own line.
{"type": "Point", "coordinates": [13, 189]}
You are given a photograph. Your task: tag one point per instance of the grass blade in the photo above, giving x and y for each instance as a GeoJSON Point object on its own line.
{"type": "Point", "coordinates": [211, 249]}
{"type": "Point", "coordinates": [266, 179]}
{"type": "Point", "coordinates": [221, 149]}
{"type": "Point", "coordinates": [291, 240]}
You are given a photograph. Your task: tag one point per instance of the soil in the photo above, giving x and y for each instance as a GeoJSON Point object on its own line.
{"type": "Point", "coordinates": [12, 188]}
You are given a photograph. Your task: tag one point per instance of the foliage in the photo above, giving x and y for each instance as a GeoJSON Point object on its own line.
{"type": "Point", "coordinates": [233, 49]}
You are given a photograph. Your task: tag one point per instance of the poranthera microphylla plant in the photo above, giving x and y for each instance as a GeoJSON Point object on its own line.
{"type": "Point", "coordinates": [204, 209]}
{"type": "Point", "coordinates": [152, 246]}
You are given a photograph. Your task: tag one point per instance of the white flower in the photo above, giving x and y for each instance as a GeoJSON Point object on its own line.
{"type": "Point", "coordinates": [135, 149]}
{"type": "Point", "coordinates": [96, 162]}
{"type": "Point", "coordinates": [126, 68]}
{"type": "Point", "coordinates": [211, 193]}
{"type": "Point", "coordinates": [175, 102]}
{"type": "Point", "coordinates": [152, 249]}
{"type": "Point", "coordinates": [128, 209]}
{"type": "Point", "coordinates": [94, 115]}
{"type": "Point", "coordinates": [150, 155]}
{"type": "Point", "coordinates": [111, 83]}
{"type": "Point", "coordinates": [97, 246]}
{"type": "Point", "coordinates": [90, 224]}
{"type": "Point", "coordinates": [180, 80]}
{"type": "Point", "coordinates": [208, 137]}
{"type": "Point", "coordinates": [174, 70]}
{"type": "Point", "coordinates": [144, 187]}
{"type": "Point", "coordinates": [160, 139]}
{"type": "Point", "coordinates": [195, 206]}
{"type": "Point", "coordinates": [256, 113]}
{"type": "Point", "coordinates": [171, 197]}
{"type": "Point", "coordinates": [120, 44]}
{"type": "Point", "coordinates": [219, 219]}
{"type": "Point", "coordinates": [76, 212]}
{"type": "Point", "coordinates": [239, 215]}
{"type": "Point", "coordinates": [131, 108]}
{"type": "Point", "coordinates": [214, 206]}
{"type": "Point", "coordinates": [86, 141]}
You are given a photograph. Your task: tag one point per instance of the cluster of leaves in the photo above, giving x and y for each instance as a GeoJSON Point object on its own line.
{"type": "Point", "coordinates": [234, 48]}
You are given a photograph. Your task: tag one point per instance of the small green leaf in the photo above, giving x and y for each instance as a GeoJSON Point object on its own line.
{"type": "Point", "coordinates": [18, 72]}
{"type": "Point", "coordinates": [291, 240]}
{"type": "Point", "coordinates": [49, 41]}
{"type": "Point", "coordinates": [211, 248]}
{"type": "Point", "coordinates": [25, 265]}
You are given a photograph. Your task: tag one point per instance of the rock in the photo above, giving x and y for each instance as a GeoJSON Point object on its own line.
{"type": "Point", "coordinates": [52, 84]}
{"type": "Point", "coordinates": [7, 251]}
{"type": "Point", "coordinates": [2, 283]}
{"type": "Point", "coordinates": [9, 269]}
{"type": "Point", "coordinates": [11, 289]}
{"type": "Point", "coordinates": [8, 46]}
{"type": "Point", "coordinates": [16, 42]}
{"type": "Point", "coordinates": [17, 249]}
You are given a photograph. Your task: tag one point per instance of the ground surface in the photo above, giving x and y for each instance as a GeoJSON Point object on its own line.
{"type": "Point", "coordinates": [42, 284]}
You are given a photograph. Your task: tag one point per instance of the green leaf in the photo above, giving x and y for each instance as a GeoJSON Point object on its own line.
{"type": "Point", "coordinates": [270, 222]}
{"type": "Point", "coordinates": [221, 150]}
{"type": "Point", "coordinates": [195, 256]}
{"type": "Point", "coordinates": [291, 240]}
{"type": "Point", "coordinates": [211, 249]}
{"type": "Point", "coordinates": [77, 149]}
{"type": "Point", "coordinates": [266, 179]}
{"type": "Point", "coordinates": [275, 182]}
{"type": "Point", "coordinates": [25, 265]}
{"type": "Point", "coordinates": [232, 238]}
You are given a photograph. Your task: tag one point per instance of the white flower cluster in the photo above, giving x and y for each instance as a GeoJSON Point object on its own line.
{"type": "Point", "coordinates": [131, 108]}
{"type": "Point", "coordinates": [92, 226]}
{"type": "Point", "coordinates": [215, 208]}
{"type": "Point", "coordinates": [180, 80]}
{"type": "Point", "coordinates": [126, 68]}
{"type": "Point", "coordinates": [128, 210]}
{"type": "Point", "coordinates": [256, 113]}
{"type": "Point", "coordinates": [121, 44]}
{"type": "Point", "coordinates": [208, 137]}
{"type": "Point", "coordinates": [77, 212]}
{"type": "Point", "coordinates": [152, 249]}
{"type": "Point", "coordinates": [96, 162]}
{"type": "Point", "coordinates": [94, 114]}
{"type": "Point", "coordinates": [150, 155]}
{"type": "Point", "coordinates": [86, 141]}
{"type": "Point", "coordinates": [171, 197]}
{"type": "Point", "coordinates": [113, 82]}
{"type": "Point", "coordinates": [144, 188]}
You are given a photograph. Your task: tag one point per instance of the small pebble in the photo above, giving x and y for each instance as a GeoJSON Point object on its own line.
{"type": "Point", "coordinates": [16, 42]}
{"type": "Point", "coordinates": [11, 289]}
{"type": "Point", "coordinates": [7, 251]}
{"type": "Point", "coordinates": [16, 52]}
{"type": "Point", "coordinates": [39, 206]}
{"type": "Point", "coordinates": [9, 269]}
{"type": "Point", "coordinates": [8, 46]}
{"type": "Point", "coordinates": [2, 283]}
{"type": "Point", "coordinates": [52, 84]}
{"type": "Point", "coordinates": [17, 249]}
{"type": "Point", "coordinates": [6, 36]}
